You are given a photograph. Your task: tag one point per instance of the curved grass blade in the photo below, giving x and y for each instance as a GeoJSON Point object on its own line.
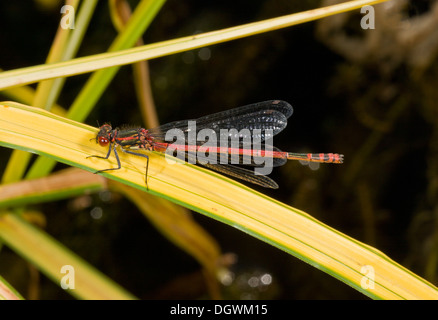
{"type": "Point", "coordinates": [220, 198]}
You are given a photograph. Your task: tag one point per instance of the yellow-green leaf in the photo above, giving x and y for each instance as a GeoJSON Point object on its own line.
{"type": "Point", "coordinates": [218, 197]}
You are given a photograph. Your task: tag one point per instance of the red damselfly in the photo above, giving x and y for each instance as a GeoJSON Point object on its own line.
{"type": "Point", "coordinates": [258, 122]}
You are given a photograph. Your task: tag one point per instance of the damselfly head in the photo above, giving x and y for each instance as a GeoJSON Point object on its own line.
{"type": "Point", "coordinates": [105, 127]}
{"type": "Point", "coordinates": [104, 137]}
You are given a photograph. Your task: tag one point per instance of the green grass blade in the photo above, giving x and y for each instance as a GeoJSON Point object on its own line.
{"type": "Point", "coordinates": [124, 57]}
{"type": "Point", "coordinates": [95, 86]}
{"type": "Point", "coordinates": [50, 257]}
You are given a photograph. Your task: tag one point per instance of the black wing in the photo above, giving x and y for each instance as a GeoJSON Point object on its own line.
{"type": "Point", "coordinates": [265, 115]}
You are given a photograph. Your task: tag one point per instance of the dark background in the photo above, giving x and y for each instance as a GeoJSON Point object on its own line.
{"type": "Point", "coordinates": [369, 94]}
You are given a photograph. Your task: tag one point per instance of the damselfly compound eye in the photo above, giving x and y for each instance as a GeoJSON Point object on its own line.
{"type": "Point", "coordinates": [103, 141]}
